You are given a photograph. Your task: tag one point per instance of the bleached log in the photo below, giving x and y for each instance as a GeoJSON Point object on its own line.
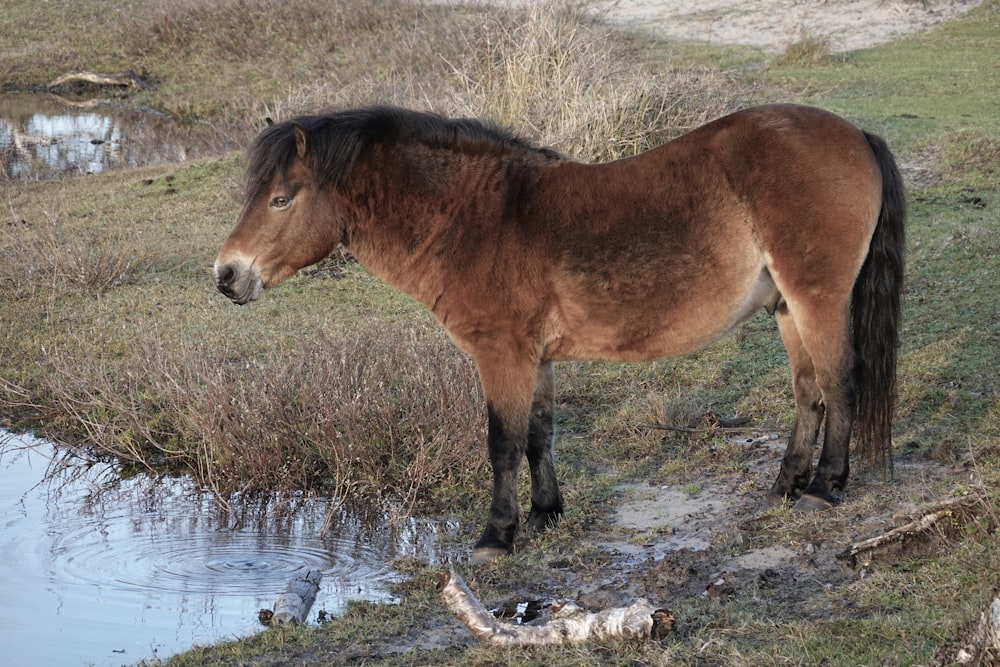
{"type": "Point", "coordinates": [988, 634]}
{"type": "Point", "coordinates": [125, 79]}
{"type": "Point", "coordinates": [570, 623]}
{"type": "Point", "coordinates": [292, 606]}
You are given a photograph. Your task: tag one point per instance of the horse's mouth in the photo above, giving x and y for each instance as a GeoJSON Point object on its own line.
{"type": "Point", "coordinates": [252, 293]}
{"type": "Point", "coordinates": [240, 287]}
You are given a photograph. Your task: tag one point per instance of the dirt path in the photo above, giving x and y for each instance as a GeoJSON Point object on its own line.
{"type": "Point", "coordinates": [774, 24]}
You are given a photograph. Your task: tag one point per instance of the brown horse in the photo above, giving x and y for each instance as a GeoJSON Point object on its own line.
{"type": "Point", "coordinates": [527, 257]}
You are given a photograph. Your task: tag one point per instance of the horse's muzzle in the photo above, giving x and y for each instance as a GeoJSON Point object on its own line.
{"type": "Point", "coordinates": [240, 284]}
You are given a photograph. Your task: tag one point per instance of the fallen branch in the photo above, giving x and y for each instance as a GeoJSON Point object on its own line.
{"type": "Point", "coordinates": [922, 519]}
{"type": "Point", "coordinates": [704, 429]}
{"type": "Point", "coordinates": [964, 501]}
{"type": "Point", "coordinates": [570, 623]}
{"type": "Point", "coordinates": [713, 423]}
{"type": "Point", "coordinates": [125, 79]}
{"type": "Point", "coordinates": [292, 606]}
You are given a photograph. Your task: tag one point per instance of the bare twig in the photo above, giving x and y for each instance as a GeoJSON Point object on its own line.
{"type": "Point", "coordinates": [713, 423]}
{"type": "Point", "coordinates": [711, 429]}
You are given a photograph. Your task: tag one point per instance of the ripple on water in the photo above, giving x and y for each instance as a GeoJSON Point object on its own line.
{"type": "Point", "coordinates": [153, 567]}
{"type": "Point", "coordinates": [149, 553]}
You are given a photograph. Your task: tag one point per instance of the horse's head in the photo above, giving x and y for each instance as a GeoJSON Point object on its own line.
{"type": "Point", "coordinates": [288, 221]}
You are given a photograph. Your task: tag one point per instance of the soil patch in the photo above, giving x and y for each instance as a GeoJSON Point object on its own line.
{"type": "Point", "coordinates": [775, 24]}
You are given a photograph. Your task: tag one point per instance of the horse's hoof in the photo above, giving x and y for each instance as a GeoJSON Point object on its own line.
{"type": "Point", "coordinates": [776, 499]}
{"type": "Point", "coordinates": [811, 503]}
{"type": "Point", "coordinates": [485, 554]}
{"type": "Point", "coordinates": [539, 520]}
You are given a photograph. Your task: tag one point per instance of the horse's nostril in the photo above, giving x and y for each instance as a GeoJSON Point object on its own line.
{"type": "Point", "coordinates": [225, 276]}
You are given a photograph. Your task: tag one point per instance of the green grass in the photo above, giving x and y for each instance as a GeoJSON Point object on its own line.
{"type": "Point", "coordinates": [108, 305]}
{"type": "Point", "coordinates": [918, 91]}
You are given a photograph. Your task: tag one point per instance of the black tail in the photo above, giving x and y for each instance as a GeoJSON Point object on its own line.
{"type": "Point", "coordinates": [875, 307]}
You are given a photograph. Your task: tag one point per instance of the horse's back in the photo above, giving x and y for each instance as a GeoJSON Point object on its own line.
{"type": "Point", "coordinates": [659, 254]}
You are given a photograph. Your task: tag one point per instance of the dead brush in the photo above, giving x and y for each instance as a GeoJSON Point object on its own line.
{"type": "Point", "coordinates": [808, 50]}
{"type": "Point", "coordinates": [325, 45]}
{"type": "Point", "coordinates": [223, 29]}
{"type": "Point", "coordinates": [550, 74]}
{"type": "Point", "coordinates": [47, 254]}
{"type": "Point", "coordinates": [363, 418]}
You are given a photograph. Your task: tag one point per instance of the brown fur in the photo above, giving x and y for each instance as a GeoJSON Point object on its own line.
{"type": "Point", "coordinates": [526, 257]}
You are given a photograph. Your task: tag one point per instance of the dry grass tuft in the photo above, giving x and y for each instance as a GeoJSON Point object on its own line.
{"type": "Point", "coordinates": [548, 73]}
{"type": "Point", "coordinates": [543, 69]}
{"type": "Point", "coordinates": [968, 151]}
{"type": "Point", "coordinates": [808, 50]}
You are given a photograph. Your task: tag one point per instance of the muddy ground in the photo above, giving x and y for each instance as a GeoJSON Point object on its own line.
{"type": "Point", "coordinates": [718, 538]}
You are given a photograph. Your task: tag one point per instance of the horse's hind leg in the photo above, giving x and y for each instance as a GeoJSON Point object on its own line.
{"type": "Point", "coordinates": [796, 465]}
{"type": "Point", "coordinates": [546, 501]}
{"type": "Point", "coordinates": [824, 384]}
{"type": "Point", "coordinates": [834, 465]}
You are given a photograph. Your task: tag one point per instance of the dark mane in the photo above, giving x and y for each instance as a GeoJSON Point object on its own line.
{"type": "Point", "coordinates": [337, 138]}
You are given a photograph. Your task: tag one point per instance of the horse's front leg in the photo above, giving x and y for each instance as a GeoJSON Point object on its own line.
{"type": "Point", "coordinates": [509, 388]}
{"type": "Point", "coordinates": [546, 501]}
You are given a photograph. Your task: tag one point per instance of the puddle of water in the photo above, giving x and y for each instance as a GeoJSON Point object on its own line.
{"type": "Point", "coordinates": [100, 571]}
{"type": "Point", "coordinates": [42, 137]}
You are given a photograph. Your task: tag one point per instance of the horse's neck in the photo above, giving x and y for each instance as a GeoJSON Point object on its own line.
{"type": "Point", "coordinates": [417, 210]}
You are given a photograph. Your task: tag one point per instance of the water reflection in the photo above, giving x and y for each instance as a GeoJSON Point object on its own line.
{"type": "Point", "coordinates": [121, 571]}
{"type": "Point", "coordinates": [42, 137]}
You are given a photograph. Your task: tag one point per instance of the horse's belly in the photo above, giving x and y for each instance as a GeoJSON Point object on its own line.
{"type": "Point", "coordinates": [631, 341]}
{"type": "Point", "coordinates": [655, 328]}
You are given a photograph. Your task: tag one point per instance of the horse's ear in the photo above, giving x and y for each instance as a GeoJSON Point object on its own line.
{"type": "Point", "coordinates": [301, 140]}
{"type": "Point", "coordinates": [269, 121]}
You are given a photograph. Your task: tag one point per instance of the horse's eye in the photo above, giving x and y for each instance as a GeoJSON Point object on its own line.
{"type": "Point", "coordinates": [280, 203]}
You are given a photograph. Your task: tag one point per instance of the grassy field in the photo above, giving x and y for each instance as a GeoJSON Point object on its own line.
{"type": "Point", "coordinates": [114, 336]}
